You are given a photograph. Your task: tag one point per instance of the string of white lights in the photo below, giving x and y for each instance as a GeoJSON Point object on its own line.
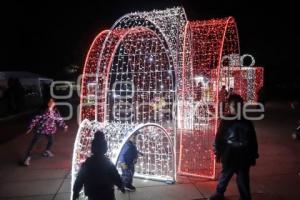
{"type": "Point", "coordinates": [159, 76]}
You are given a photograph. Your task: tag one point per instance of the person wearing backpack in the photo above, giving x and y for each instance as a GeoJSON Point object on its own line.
{"type": "Point", "coordinates": [236, 148]}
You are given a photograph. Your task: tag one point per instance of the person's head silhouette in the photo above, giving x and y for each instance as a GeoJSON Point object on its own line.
{"type": "Point", "coordinates": [99, 144]}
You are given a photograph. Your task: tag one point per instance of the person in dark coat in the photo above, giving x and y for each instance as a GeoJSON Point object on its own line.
{"type": "Point", "coordinates": [127, 159]}
{"type": "Point", "coordinates": [98, 174]}
{"type": "Point", "coordinates": [236, 147]}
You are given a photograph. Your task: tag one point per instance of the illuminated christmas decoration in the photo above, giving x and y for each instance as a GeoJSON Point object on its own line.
{"type": "Point", "coordinates": [158, 75]}
{"type": "Point", "coordinates": [246, 81]}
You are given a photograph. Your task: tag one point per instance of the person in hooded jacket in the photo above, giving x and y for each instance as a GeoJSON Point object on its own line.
{"type": "Point", "coordinates": [127, 159]}
{"type": "Point", "coordinates": [98, 174]}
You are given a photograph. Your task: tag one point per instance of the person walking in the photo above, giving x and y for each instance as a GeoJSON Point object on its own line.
{"type": "Point", "coordinates": [127, 159]}
{"type": "Point", "coordinates": [236, 147]}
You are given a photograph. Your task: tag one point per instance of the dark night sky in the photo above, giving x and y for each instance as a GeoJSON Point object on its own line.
{"type": "Point", "coordinates": [44, 37]}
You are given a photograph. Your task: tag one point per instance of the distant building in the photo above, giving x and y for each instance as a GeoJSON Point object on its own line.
{"type": "Point", "coordinates": [33, 83]}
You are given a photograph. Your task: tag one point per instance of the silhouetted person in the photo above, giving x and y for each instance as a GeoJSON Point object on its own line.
{"type": "Point", "coordinates": [98, 174]}
{"type": "Point", "coordinates": [236, 147]}
{"type": "Point", "coordinates": [222, 99]}
{"type": "Point", "coordinates": [199, 91]}
{"type": "Point", "coordinates": [127, 159]}
{"type": "Point", "coordinates": [230, 92]}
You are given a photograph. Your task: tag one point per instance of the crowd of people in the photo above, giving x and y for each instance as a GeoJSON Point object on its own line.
{"type": "Point", "coordinates": [235, 147]}
{"type": "Point", "coordinates": [97, 174]}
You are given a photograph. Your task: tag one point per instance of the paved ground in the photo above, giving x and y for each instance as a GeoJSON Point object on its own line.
{"type": "Point", "coordinates": [274, 178]}
{"type": "Point", "coordinates": [14, 125]}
